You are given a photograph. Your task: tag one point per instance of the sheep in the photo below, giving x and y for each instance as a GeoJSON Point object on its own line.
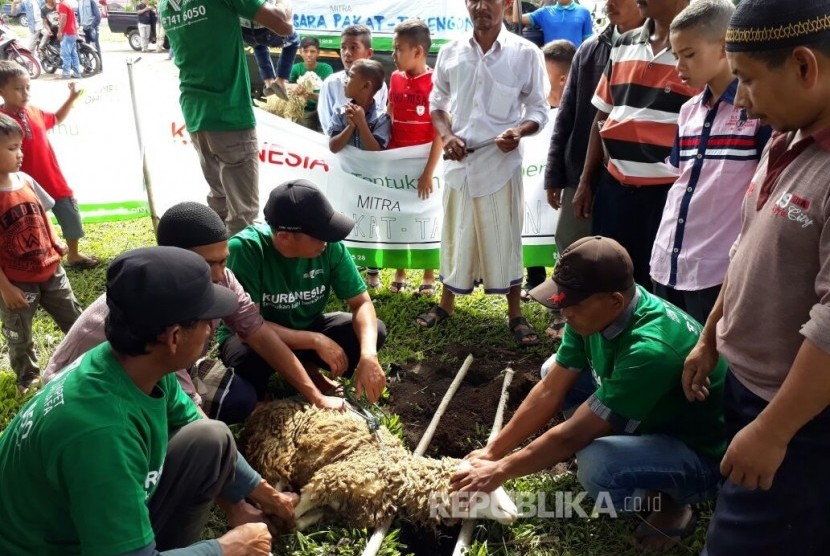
{"type": "Point", "coordinates": [344, 471]}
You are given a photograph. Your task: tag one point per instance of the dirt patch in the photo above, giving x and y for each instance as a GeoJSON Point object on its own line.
{"type": "Point", "coordinates": [419, 388]}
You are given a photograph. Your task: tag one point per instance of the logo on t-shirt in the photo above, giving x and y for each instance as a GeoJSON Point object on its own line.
{"type": "Point", "coordinates": [794, 208]}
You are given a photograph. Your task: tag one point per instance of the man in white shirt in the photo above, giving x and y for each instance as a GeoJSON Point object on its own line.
{"type": "Point", "coordinates": [489, 91]}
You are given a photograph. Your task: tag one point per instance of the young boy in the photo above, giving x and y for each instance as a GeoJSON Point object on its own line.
{"type": "Point", "coordinates": [355, 44]}
{"type": "Point", "coordinates": [361, 123]}
{"type": "Point", "coordinates": [558, 57]}
{"type": "Point", "coordinates": [716, 152]}
{"type": "Point", "coordinates": [40, 161]}
{"type": "Point", "coordinates": [30, 270]}
{"type": "Point", "coordinates": [310, 51]}
{"type": "Point", "coordinates": [409, 89]}
{"type": "Point", "coordinates": [772, 319]}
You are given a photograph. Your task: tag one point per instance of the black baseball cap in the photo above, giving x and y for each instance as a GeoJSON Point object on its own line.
{"type": "Point", "coordinates": [299, 206]}
{"type": "Point", "coordinates": [588, 266]}
{"type": "Point", "coordinates": [155, 287]}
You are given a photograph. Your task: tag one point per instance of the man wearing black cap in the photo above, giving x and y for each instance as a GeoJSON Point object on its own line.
{"type": "Point", "coordinates": [290, 266]}
{"type": "Point", "coordinates": [199, 228]}
{"type": "Point", "coordinates": [619, 364]}
{"type": "Point", "coordinates": [112, 457]}
{"type": "Point", "coordinates": [772, 319]}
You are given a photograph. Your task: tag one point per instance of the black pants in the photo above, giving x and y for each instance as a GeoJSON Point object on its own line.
{"type": "Point", "coordinates": [200, 461]}
{"type": "Point", "coordinates": [254, 370]}
{"type": "Point", "coordinates": [630, 215]}
{"type": "Point", "coordinates": [790, 519]}
{"type": "Point", "coordinates": [697, 303]}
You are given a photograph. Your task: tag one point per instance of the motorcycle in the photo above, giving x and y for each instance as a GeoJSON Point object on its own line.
{"type": "Point", "coordinates": [11, 49]}
{"type": "Point", "coordinates": [50, 57]}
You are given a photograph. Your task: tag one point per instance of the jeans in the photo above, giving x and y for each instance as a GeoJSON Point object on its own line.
{"type": "Point", "coordinates": [261, 39]}
{"type": "Point", "coordinates": [627, 467]}
{"type": "Point", "coordinates": [69, 55]}
{"type": "Point", "coordinates": [91, 35]}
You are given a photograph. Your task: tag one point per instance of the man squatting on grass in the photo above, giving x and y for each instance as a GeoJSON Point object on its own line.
{"type": "Point", "coordinates": [633, 431]}
{"type": "Point", "coordinates": [198, 228]}
{"type": "Point", "coordinates": [112, 457]}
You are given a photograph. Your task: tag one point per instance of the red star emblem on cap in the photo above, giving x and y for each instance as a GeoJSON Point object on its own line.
{"type": "Point", "coordinates": [558, 297]}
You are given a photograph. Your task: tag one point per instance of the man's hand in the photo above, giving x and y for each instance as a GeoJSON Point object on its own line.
{"type": "Point", "coordinates": [482, 476]}
{"type": "Point", "coordinates": [454, 147]}
{"type": "Point", "coordinates": [332, 354]}
{"type": "Point", "coordinates": [59, 36]}
{"type": "Point", "coordinates": [273, 502]}
{"type": "Point", "coordinates": [482, 454]}
{"type": "Point", "coordinates": [369, 378]}
{"type": "Point", "coordinates": [14, 298]}
{"type": "Point", "coordinates": [331, 402]}
{"type": "Point", "coordinates": [554, 198]}
{"type": "Point", "coordinates": [699, 364]}
{"type": "Point", "coordinates": [241, 513]}
{"type": "Point", "coordinates": [753, 457]}
{"type": "Point", "coordinates": [583, 202]}
{"type": "Point", "coordinates": [251, 539]}
{"type": "Point", "coordinates": [424, 186]}
{"type": "Point", "coordinates": [74, 91]}
{"type": "Point", "coordinates": [508, 140]}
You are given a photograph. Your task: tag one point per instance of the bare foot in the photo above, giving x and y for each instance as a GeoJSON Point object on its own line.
{"type": "Point", "coordinates": [664, 529]}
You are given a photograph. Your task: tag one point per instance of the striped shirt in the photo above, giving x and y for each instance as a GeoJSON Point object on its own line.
{"type": "Point", "coordinates": [642, 94]}
{"type": "Point", "coordinates": [716, 153]}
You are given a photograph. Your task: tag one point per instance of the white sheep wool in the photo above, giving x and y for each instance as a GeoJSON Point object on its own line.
{"type": "Point", "coordinates": [348, 474]}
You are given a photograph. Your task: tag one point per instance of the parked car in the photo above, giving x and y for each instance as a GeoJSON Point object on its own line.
{"type": "Point", "coordinates": [14, 14]}
{"type": "Point", "coordinates": [121, 21]}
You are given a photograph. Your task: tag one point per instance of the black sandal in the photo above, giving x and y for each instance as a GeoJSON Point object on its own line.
{"type": "Point", "coordinates": [522, 330]}
{"type": "Point", "coordinates": [435, 315]}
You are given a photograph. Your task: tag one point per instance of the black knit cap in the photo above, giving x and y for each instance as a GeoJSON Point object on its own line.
{"type": "Point", "coordinates": [763, 25]}
{"type": "Point", "coordinates": [189, 224]}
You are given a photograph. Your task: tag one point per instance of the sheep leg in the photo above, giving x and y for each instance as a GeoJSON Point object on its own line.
{"type": "Point", "coordinates": [307, 512]}
{"type": "Point", "coordinates": [309, 518]}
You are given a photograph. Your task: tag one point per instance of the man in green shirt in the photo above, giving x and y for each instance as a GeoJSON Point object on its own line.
{"type": "Point", "coordinates": [216, 95]}
{"type": "Point", "coordinates": [636, 437]}
{"type": "Point", "coordinates": [111, 457]}
{"type": "Point", "coordinates": [289, 267]}
{"type": "Point", "coordinates": [310, 51]}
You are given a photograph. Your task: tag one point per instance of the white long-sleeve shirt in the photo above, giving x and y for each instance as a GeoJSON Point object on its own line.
{"type": "Point", "coordinates": [487, 93]}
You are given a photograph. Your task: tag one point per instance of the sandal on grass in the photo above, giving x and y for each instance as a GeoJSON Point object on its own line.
{"type": "Point", "coordinates": [397, 287]}
{"type": "Point", "coordinates": [426, 290]}
{"type": "Point", "coordinates": [523, 332]}
{"type": "Point", "coordinates": [84, 264]}
{"type": "Point", "coordinates": [435, 315]}
{"type": "Point", "coordinates": [556, 328]}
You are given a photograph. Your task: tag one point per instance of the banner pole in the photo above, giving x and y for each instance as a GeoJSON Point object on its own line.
{"type": "Point", "coordinates": [148, 182]}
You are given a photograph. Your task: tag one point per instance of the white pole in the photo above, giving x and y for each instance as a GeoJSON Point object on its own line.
{"type": "Point", "coordinates": [376, 540]}
{"type": "Point", "coordinates": [462, 545]}
{"type": "Point", "coordinates": [148, 184]}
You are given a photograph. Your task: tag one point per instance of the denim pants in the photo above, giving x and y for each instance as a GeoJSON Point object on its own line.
{"type": "Point", "coordinates": [69, 55]}
{"type": "Point", "coordinates": [628, 467]}
{"type": "Point", "coordinates": [261, 39]}
{"type": "Point", "coordinates": [791, 518]}
{"type": "Point", "coordinates": [91, 35]}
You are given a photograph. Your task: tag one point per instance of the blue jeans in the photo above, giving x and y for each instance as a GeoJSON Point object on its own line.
{"type": "Point", "coordinates": [91, 36]}
{"type": "Point", "coordinates": [69, 55]}
{"type": "Point", "coordinates": [261, 39]}
{"type": "Point", "coordinates": [627, 467]}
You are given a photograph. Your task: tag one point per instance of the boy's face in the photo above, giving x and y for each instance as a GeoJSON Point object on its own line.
{"type": "Point", "coordinates": [15, 93]}
{"type": "Point", "coordinates": [699, 59]}
{"type": "Point", "coordinates": [557, 75]}
{"type": "Point", "coordinates": [11, 153]}
{"type": "Point", "coordinates": [355, 82]}
{"type": "Point", "coordinates": [405, 54]}
{"type": "Point", "coordinates": [353, 49]}
{"type": "Point", "coordinates": [310, 55]}
{"type": "Point", "coordinates": [780, 96]}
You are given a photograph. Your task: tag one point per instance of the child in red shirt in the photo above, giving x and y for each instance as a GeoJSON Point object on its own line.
{"type": "Point", "coordinates": [409, 90]}
{"type": "Point", "coordinates": [40, 161]}
{"type": "Point", "coordinates": [30, 270]}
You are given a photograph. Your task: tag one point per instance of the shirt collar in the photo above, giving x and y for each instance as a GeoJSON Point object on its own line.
{"type": "Point", "coordinates": [560, 7]}
{"type": "Point", "coordinates": [822, 139]}
{"type": "Point", "coordinates": [501, 40]}
{"type": "Point", "coordinates": [645, 31]}
{"type": "Point", "coordinates": [728, 95]}
{"type": "Point", "coordinates": [616, 328]}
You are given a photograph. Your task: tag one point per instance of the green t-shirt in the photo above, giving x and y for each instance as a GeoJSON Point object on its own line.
{"type": "Point", "coordinates": [323, 70]}
{"type": "Point", "coordinates": [83, 457]}
{"type": "Point", "coordinates": [637, 363]}
{"type": "Point", "coordinates": [290, 292]}
{"type": "Point", "coordinates": [215, 86]}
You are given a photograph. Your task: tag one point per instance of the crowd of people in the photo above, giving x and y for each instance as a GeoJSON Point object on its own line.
{"type": "Point", "coordinates": [690, 292]}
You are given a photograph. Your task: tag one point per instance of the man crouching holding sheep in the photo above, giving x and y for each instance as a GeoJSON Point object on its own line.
{"type": "Point", "coordinates": [639, 431]}
{"type": "Point", "coordinates": [290, 266]}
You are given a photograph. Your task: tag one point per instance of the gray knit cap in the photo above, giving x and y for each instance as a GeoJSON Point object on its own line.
{"type": "Point", "coordinates": [190, 224]}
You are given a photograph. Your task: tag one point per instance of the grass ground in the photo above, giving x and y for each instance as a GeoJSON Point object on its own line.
{"type": "Point", "coordinates": [478, 322]}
